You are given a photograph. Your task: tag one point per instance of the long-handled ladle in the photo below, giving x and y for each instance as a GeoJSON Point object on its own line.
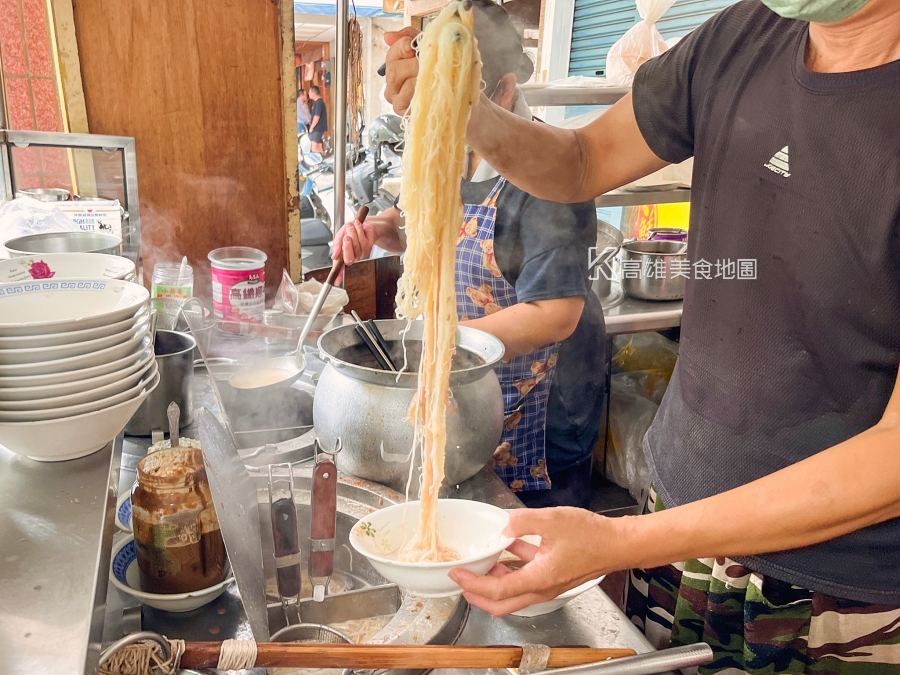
{"type": "Point", "coordinates": [283, 371]}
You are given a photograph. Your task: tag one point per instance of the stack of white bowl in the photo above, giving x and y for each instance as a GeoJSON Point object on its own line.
{"type": "Point", "coordinates": [58, 266]}
{"type": "Point", "coordinates": [75, 364]}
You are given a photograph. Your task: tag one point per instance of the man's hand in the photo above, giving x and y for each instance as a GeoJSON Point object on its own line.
{"type": "Point", "coordinates": [571, 552]}
{"type": "Point", "coordinates": [402, 68]}
{"type": "Point", "coordinates": [354, 241]}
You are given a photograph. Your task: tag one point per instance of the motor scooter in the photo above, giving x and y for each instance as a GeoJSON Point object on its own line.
{"type": "Point", "coordinates": [364, 182]}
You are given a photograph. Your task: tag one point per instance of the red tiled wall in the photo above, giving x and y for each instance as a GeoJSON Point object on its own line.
{"type": "Point", "coordinates": [29, 77]}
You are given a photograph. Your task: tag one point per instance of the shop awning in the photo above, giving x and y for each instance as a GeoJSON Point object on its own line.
{"type": "Point", "coordinates": [368, 8]}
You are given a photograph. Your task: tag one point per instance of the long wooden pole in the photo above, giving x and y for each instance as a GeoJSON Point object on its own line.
{"type": "Point", "coordinates": [314, 655]}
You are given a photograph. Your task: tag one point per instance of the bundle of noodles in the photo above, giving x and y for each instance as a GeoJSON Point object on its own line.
{"type": "Point", "coordinates": [448, 85]}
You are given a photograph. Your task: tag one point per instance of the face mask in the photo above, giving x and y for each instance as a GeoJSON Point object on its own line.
{"type": "Point", "coordinates": [819, 11]}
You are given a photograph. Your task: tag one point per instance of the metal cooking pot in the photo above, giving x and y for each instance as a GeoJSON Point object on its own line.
{"type": "Point", "coordinates": [44, 194]}
{"type": "Point", "coordinates": [368, 408]}
{"type": "Point", "coordinates": [175, 358]}
{"type": "Point", "coordinates": [649, 271]}
{"type": "Point", "coordinates": [65, 242]}
{"type": "Point", "coordinates": [609, 239]}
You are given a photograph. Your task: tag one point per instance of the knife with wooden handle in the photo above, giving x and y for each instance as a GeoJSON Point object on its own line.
{"type": "Point", "coordinates": [323, 516]}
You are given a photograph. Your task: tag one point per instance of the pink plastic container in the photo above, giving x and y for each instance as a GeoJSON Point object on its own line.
{"type": "Point", "coordinates": [238, 283]}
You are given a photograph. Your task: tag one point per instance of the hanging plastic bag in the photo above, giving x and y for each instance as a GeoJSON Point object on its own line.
{"type": "Point", "coordinates": [641, 42]}
{"type": "Point", "coordinates": [24, 216]}
{"type": "Point", "coordinates": [630, 414]}
{"type": "Point", "coordinates": [648, 352]}
{"type": "Point", "coordinates": [298, 299]}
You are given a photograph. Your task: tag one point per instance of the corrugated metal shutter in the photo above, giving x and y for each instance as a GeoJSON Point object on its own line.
{"type": "Point", "coordinates": [596, 26]}
{"type": "Point", "coordinates": [599, 23]}
{"type": "Point", "coordinates": [686, 15]}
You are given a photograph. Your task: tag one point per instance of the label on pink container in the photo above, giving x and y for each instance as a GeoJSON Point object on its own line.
{"type": "Point", "coordinates": [239, 294]}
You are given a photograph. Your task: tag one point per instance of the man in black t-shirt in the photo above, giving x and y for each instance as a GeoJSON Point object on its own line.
{"type": "Point", "coordinates": [318, 125]}
{"type": "Point", "coordinates": [776, 450]}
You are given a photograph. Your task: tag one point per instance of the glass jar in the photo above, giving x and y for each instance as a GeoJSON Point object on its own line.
{"type": "Point", "coordinates": [176, 532]}
{"type": "Point", "coordinates": [168, 283]}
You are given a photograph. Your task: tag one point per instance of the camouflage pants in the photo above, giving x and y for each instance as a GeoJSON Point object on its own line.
{"type": "Point", "coordinates": [758, 625]}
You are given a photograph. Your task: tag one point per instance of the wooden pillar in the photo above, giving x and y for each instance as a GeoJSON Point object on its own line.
{"type": "Point", "coordinates": [201, 87]}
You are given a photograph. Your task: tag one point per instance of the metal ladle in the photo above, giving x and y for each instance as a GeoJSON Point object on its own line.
{"type": "Point", "coordinates": [283, 371]}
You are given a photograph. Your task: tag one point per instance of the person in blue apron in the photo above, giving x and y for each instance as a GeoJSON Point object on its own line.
{"type": "Point", "coordinates": [522, 275]}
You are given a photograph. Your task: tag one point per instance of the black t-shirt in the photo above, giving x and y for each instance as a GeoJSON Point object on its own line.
{"type": "Point", "coordinates": [542, 250]}
{"type": "Point", "coordinates": [318, 108]}
{"type": "Point", "coordinates": [798, 172]}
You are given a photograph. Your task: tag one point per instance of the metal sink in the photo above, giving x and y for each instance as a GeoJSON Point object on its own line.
{"type": "Point", "coordinates": [356, 590]}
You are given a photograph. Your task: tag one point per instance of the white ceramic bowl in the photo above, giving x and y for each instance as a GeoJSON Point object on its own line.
{"type": "Point", "coordinates": [472, 529]}
{"type": "Point", "coordinates": [89, 385]}
{"type": "Point", "coordinates": [133, 345]}
{"type": "Point", "coordinates": [53, 339]}
{"type": "Point", "coordinates": [123, 512]}
{"type": "Point", "coordinates": [149, 379]}
{"type": "Point", "coordinates": [125, 575]}
{"type": "Point", "coordinates": [78, 376]}
{"type": "Point", "coordinates": [50, 306]}
{"type": "Point", "coordinates": [45, 266]}
{"type": "Point", "coordinates": [119, 386]}
{"type": "Point", "coordinates": [41, 354]}
{"type": "Point", "coordinates": [70, 437]}
{"type": "Point", "coordinates": [540, 608]}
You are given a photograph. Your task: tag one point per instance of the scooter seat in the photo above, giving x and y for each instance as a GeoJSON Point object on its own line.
{"type": "Point", "coordinates": [313, 232]}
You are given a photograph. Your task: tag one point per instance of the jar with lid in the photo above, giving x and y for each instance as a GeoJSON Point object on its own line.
{"type": "Point", "coordinates": [176, 532]}
{"type": "Point", "coordinates": [170, 285]}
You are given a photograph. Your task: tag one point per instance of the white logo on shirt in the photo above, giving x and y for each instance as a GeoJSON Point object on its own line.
{"type": "Point", "coordinates": [779, 163]}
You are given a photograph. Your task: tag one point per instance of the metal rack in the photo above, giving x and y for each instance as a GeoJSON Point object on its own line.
{"type": "Point", "coordinates": [542, 94]}
{"type": "Point", "coordinates": [545, 95]}
{"type": "Point", "coordinates": [124, 145]}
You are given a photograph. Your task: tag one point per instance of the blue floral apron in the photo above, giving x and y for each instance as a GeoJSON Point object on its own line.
{"type": "Point", "coordinates": [525, 380]}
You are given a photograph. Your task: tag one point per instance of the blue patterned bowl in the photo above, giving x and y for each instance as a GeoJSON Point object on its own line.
{"type": "Point", "coordinates": [123, 513]}
{"type": "Point", "coordinates": [125, 576]}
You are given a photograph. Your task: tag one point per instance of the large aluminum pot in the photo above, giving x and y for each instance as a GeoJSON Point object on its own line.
{"type": "Point", "coordinates": [65, 242]}
{"type": "Point", "coordinates": [650, 270]}
{"type": "Point", "coordinates": [368, 408]}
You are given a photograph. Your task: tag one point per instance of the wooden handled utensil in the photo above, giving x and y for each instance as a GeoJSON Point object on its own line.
{"type": "Point", "coordinates": [323, 514]}
{"type": "Point", "coordinates": [312, 655]}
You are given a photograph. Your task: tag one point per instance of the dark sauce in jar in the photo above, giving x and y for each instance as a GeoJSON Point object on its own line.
{"type": "Point", "coordinates": [176, 532]}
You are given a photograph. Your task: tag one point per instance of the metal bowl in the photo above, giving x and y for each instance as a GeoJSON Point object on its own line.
{"type": "Point", "coordinates": [65, 242]}
{"type": "Point", "coordinates": [44, 194]}
{"type": "Point", "coordinates": [650, 270]}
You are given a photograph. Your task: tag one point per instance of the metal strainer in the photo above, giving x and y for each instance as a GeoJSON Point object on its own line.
{"type": "Point", "coordinates": [168, 310]}
{"type": "Point", "coordinates": [312, 632]}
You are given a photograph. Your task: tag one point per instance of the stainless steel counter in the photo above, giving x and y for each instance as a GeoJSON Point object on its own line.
{"type": "Point", "coordinates": [591, 619]}
{"type": "Point", "coordinates": [637, 316]}
{"type": "Point", "coordinates": [56, 532]}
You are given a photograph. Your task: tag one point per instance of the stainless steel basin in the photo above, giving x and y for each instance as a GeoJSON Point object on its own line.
{"type": "Point", "coordinates": [65, 242]}
{"type": "Point", "coordinates": [357, 592]}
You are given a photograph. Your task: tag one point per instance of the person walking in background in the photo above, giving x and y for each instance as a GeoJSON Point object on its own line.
{"type": "Point", "coordinates": [319, 123]}
{"type": "Point", "coordinates": [303, 115]}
